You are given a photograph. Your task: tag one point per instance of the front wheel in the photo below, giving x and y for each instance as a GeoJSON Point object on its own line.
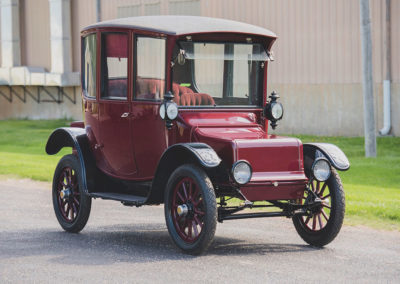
{"type": "Point", "coordinates": [323, 225]}
{"type": "Point", "coordinates": [190, 209]}
{"type": "Point", "coordinates": [71, 204]}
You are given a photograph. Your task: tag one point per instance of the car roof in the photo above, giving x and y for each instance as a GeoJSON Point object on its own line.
{"type": "Point", "coordinates": [183, 25]}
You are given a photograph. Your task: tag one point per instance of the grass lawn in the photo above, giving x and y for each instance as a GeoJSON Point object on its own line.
{"type": "Point", "coordinates": [372, 186]}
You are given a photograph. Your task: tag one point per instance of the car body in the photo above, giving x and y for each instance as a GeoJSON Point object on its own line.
{"type": "Point", "coordinates": [176, 112]}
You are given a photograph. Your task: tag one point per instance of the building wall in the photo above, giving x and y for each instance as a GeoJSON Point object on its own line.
{"type": "Point", "coordinates": [317, 67]}
{"type": "Point", "coordinates": [35, 33]}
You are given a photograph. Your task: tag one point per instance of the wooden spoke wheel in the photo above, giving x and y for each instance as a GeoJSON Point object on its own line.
{"type": "Point", "coordinates": [71, 204]}
{"type": "Point", "coordinates": [190, 209]}
{"type": "Point", "coordinates": [325, 221]}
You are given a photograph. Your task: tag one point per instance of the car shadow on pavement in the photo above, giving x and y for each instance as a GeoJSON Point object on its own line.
{"type": "Point", "coordinates": [122, 243]}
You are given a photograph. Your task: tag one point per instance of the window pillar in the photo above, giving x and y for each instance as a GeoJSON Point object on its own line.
{"type": "Point", "coordinates": [10, 36]}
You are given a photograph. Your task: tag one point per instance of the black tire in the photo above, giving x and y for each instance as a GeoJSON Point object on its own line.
{"type": "Point", "coordinates": [78, 202]}
{"type": "Point", "coordinates": [323, 236]}
{"type": "Point", "coordinates": [202, 193]}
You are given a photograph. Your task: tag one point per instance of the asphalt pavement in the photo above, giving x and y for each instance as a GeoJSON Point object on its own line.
{"type": "Point", "coordinates": [131, 245]}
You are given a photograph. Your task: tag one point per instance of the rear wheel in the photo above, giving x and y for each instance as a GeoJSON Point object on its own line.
{"type": "Point", "coordinates": [190, 209]}
{"type": "Point", "coordinates": [71, 204]}
{"type": "Point", "coordinates": [323, 225]}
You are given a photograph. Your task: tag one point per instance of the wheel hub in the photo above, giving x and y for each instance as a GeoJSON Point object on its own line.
{"type": "Point", "coordinates": [65, 193]}
{"type": "Point", "coordinates": [182, 210]}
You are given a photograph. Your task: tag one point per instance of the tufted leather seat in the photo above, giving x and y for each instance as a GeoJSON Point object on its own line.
{"type": "Point", "coordinates": [153, 89]}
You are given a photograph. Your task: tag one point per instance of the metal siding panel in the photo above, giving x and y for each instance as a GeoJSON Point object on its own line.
{"type": "Point", "coordinates": [395, 32]}
{"type": "Point", "coordinates": [83, 14]}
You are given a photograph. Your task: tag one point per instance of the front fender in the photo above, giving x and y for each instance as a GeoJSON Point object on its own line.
{"type": "Point", "coordinates": [333, 153]}
{"type": "Point", "coordinates": [77, 139]}
{"type": "Point", "coordinates": [176, 155]}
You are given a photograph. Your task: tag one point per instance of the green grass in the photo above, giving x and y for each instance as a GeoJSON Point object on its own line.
{"type": "Point", "coordinates": [372, 185]}
{"type": "Point", "coordinates": [22, 148]}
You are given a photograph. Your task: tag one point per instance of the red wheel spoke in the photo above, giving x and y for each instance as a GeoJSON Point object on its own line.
{"type": "Point", "coordinates": [67, 211]}
{"type": "Point", "coordinates": [188, 226]}
{"type": "Point", "coordinates": [198, 222]}
{"type": "Point", "coordinates": [312, 186]}
{"type": "Point", "coordinates": [68, 176]}
{"type": "Point", "coordinates": [307, 220]}
{"type": "Point", "coordinates": [326, 206]}
{"type": "Point", "coordinates": [185, 191]}
{"type": "Point", "coordinates": [196, 192]}
{"type": "Point", "coordinates": [320, 221]}
{"type": "Point", "coordinates": [314, 222]}
{"type": "Point", "coordinates": [198, 212]}
{"type": "Point", "coordinates": [317, 190]}
{"type": "Point", "coordinates": [324, 214]}
{"type": "Point", "coordinates": [75, 209]}
{"type": "Point", "coordinates": [180, 196]}
{"type": "Point", "coordinates": [322, 190]}
{"type": "Point", "coordinates": [326, 196]}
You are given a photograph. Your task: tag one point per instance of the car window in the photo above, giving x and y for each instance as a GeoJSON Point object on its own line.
{"type": "Point", "coordinates": [114, 69]}
{"type": "Point", "coordinates": [150, 69]}
{"type": "Point", "coordinates": [89, 66]}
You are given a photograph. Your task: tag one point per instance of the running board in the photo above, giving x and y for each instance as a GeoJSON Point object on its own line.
{"type": "Point", "coordinates": [126, 199]}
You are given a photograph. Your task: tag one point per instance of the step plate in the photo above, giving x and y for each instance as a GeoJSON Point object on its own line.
{"type": "Point", "coordinates": [128, 198]}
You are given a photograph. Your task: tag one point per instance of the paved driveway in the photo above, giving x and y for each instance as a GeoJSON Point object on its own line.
{"type": "Point", "coordinates": [123, 244]}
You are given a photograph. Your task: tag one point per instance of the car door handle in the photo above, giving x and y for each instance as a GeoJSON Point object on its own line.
{"type": "Point", "coordinates": [125, 114]}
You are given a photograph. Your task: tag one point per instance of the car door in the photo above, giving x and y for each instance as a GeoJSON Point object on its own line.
{"type": "Point", "coordinates": [149, 135]}
{"type": "Point", "coordinates": [114, 106]}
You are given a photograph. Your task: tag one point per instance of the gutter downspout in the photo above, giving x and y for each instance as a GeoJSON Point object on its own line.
{"type": "Point", "coordinates": [98, 10]}
{"type": "Point", "coordinates": [386, 83]}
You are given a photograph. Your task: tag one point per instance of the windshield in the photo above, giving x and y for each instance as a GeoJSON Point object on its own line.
{"type": "Point", "coordinates": [218, 74]}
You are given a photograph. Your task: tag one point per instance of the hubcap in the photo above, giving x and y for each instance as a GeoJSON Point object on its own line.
{"type": "Point", "coordinates": [65, 193]}
{"type": "Point", "coordinates": [182, 210]}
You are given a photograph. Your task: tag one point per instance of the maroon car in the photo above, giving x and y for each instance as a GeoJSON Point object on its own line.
{"type": "Point", "coordinates": [176, 112]}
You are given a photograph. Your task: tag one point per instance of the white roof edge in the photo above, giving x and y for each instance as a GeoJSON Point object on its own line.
{"type": "Point", "coordinates": [180, 25]}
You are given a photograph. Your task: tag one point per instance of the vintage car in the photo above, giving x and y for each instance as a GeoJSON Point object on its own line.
{"type": "Point", "coordinates": [176, 112]}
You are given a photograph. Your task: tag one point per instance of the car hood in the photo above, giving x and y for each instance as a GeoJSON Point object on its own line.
{"type": "Point", "coordinates": [237, 136]}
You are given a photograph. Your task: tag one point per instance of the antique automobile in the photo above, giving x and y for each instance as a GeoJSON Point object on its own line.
{"type": "Point", "coordinates": [176, 112]}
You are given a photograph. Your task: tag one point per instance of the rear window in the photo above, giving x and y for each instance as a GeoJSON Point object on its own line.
{"type": "Point", "coordinates": [114, 69]}
{"type": "Point", "coordinates": [89, 52]}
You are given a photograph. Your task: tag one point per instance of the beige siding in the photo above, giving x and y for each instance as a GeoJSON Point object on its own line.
{"type": "Point", "coordinates": [395, 12]}
{"type": "Point", "coordinates": [35, 33]}
{"type": "Point", "coordinates": [318, 40]}
{"type": "Point", "coordinates": [317, 53]}
{"type": "Point", "coordinates": [83, 14]}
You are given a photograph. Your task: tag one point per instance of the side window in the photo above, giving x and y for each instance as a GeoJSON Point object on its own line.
{"type": "Point", "coordinates": [89, 53]}
{"type": "Point", "coordinates": [150, 68]}
{"type": "Point", "coordinates": [114, 66]}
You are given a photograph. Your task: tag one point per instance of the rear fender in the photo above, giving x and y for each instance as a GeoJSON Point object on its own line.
{"type": "Point", "coordinates": [331, 152]}
{"type": "Point", "coordinates": [77, 139]}
{"type": "Point", "coordinates": [186, 153]}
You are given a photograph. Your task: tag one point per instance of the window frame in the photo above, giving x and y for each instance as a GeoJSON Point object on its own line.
{"type": "Point", "coordinates": [262, 79]}
{"type": "Point", "coordinates": [83, 60]}
{"type": "Point", "coordinates": [108, 98]}
{"type": "Point", "coordinates": [135, 65]}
